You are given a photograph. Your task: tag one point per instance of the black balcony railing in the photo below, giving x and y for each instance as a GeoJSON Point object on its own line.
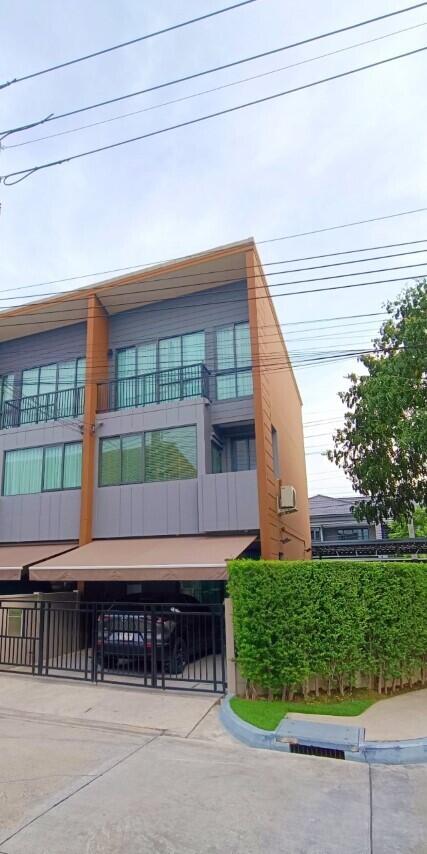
{"type": "Point", "coordinates": [50, 406]}
{"type": "Point", "coordinates": [161, 387]}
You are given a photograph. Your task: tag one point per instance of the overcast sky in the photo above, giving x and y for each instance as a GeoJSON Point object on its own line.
{"type": "Point", "coordinates": [350, 149]}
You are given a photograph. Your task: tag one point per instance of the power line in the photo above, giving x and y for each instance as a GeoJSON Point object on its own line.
{"type": "Point", "coordinates": [145, 268]}
{"type": "Point", "coordinates": [158, 307]}
{"type": "Point", "coordinates": [203, 91]}
{"type": "Point", "coordinates": [130, 42]}
{"type": "Point", "coordinates": [21, 174]}
{"type": "Point", "coordinates": [160, 291]}
{"type": "Point", "coordinates": [238, 269]}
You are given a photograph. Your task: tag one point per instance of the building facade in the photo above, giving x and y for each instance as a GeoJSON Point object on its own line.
{"type": "Point", "coordinates": [332, 520]}
{"type": "Point", "coordinates": [152, 417]}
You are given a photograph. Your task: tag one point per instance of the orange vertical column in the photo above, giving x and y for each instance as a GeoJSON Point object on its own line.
{"type": "Point", "coordinates": [96, 371]}
{"type": "Point", "coordinates": [260, 396]}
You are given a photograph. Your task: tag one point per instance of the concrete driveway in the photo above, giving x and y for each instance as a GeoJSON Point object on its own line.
{"type": "Point", "coordinates": [79, 785]}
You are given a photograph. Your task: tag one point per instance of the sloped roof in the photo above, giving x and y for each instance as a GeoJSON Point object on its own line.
{"type": "Point", "coordinates": [327, 505]}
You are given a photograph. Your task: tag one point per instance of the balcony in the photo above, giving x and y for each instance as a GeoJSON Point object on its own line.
{"type": "Point", "coordinates": [50, 406]}
{"type": "Point", "coordinates": [181, 383]}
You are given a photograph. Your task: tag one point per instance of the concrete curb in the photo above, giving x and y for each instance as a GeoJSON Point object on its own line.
{"type": "Point", "coordinates": [373, 752]}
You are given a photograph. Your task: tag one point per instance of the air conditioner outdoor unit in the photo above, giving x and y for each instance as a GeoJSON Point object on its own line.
{"type": "Point", "coordinates": [287, 499]}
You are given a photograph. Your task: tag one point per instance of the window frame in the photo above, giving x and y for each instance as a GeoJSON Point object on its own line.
{"type": "Point", "coordinates": [157, 342]}
{"type": "Point", "coordinates": [39, 368]}
{"type": "Point", "coordinates": [234, 371]}
{"type": "Point", "coordinates": [247, 440]}
{"type": "Point", "coordinates": [120, 437]}
{"type": "Point", "coordinates": [42, 490]}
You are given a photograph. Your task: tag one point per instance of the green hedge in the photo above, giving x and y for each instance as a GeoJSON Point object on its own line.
{"type": "Point", "coordinates": [295, 620]}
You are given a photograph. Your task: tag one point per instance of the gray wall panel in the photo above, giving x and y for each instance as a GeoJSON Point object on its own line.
{"type": "Point", "coordinates": [42, 517]}
{"type": "Point", "coordinates": [147, 510]}
{"type": "Point", "coordinates": [228, 502]}
{"type": "Point", "coordinates": [56, 345]}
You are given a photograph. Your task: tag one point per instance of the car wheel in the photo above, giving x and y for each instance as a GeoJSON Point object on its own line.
{"type": "Point", "coordinates": [179, 658]}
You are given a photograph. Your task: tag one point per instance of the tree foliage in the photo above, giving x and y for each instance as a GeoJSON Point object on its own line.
{"type": "Point", "coordinates": [398, 529]}
{"type": "Point", "coordinates": [383, 444]}
{"type": "Point", "coordinates": [330, 620]}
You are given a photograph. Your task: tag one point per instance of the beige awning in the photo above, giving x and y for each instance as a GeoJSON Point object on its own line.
{"type": "Point", "coordinates": [152, 559]}
{"type": "Point", "coordinates": [13, 559]}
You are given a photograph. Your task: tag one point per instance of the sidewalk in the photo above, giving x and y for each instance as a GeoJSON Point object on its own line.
{"type": "Point", "coordinates": [160, 712]}
{"type": "Point", "coordinates": [394, 719]}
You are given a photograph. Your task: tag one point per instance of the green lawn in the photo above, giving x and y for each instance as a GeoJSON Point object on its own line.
{"type": "Point", "coordinates": [267, 715]}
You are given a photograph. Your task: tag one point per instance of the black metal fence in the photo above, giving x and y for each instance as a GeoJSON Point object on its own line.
{"type": "Point", "coordinates": [49, 406]}
{"type": "Point", "coordinates": [152, 645]}
{"type": "Point", "coordinates": [161, 387]}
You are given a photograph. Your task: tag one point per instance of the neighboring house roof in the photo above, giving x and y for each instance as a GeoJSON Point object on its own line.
{"type": "Point", "coordinates": [326, 505]}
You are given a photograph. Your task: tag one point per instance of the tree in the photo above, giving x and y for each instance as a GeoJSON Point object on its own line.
{"type": "Point", "coordinates": [398, 529]}
{"type": "Point", "coordinates": [383, 444]}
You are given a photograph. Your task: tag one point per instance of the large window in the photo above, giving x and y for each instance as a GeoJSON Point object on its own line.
{"type": "Point", "coordinates": [243, 456]}
{"type": "Point", "coordinates": [137, 366]}
{"type": "Point", "coordinates": [233, 361]}
{"type": "Point", "coordinates": [157, 455]}
{"type": "Point", "coordinates": [43, 469]}
{"type": "Point", "coordinates": [38, 403]}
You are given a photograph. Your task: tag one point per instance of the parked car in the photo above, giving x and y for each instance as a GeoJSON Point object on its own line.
{"type": "Point", "coordinates": [130, 634]}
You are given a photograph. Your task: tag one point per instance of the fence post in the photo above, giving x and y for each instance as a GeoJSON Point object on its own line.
{"type": "Point", "coordinates": [94, 639]}
{"type": "Point", "coordinates": [42, 612]}
{"type": "Point", "coordinates": [235, 682]}
{"type": "Point", "coordinates": [153, 648]}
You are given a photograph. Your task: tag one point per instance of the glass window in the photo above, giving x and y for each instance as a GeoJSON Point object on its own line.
{"type": "Point", "coordinates": [110, 464]}
{"type": "Point", "coordinates": [30, 470]}
{"type": "Point", "coordinates": [158, 455]}
{"type": "Point", "coordinates": [170, 353]}
{"type": "Point", "coordinates": [47, 379]}
{"type": "Point", "coordinates": [146, 359]}
{"type": "Point", "coordinates": [193, 348]}
{"type": "Point", "coordinates": [243, 455]}
{"type": "Point", "coordinates": [131, 459]}
{"type": "Point", "coordinates": [72, 476]}
{"type": "Point", "coordinates": [352, 534]}
{"type": "Point", "coordinates": [23, 471]}
{"type": "Point", "coordinates": [225, 386]}
{"type": "Point", "coordinates": [43, 382]}
{"type": "Point", "coordinates": [81, 372]}
{"type": "Point", "coordinates": [216, 458]}
{"type": "Point", "coordinates": [243, 345]}
{"type": "Point", "coordinates": [233, 355]}
{"type": "Point", "coordinates": [244, 384]}
{"type": "Point", "coordinates": [170, 454]}
{"type": "Point", "coordinates": [66, 375]}
{"type": "Point", "coordinates": [126, 371]}
{"type": "Point", "coordinates": [52, 467]}
{"type": "Point", "coordinates": [225, 348]}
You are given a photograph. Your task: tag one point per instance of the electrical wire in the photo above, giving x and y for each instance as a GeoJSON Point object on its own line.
{"type": "Point", "coordinates": [145, 37]}
{"type": "Point", "coordinates": [21, 174]}
{"type": "Point", "coordinates": [203, 91]}
{"type": "Point", "coordinates": [145, 268]}
{"type": "Point", "coordinates": [239, 269]}
{"type": "Point", "coordinates": [155, 307]}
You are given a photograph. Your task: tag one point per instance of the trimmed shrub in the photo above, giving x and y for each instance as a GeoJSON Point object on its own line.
{"type": "Point", "coordinates": [296, 621]}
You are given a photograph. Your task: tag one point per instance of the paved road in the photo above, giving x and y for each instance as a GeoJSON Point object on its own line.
{"type": "Point", "coordinates": [91, 788]}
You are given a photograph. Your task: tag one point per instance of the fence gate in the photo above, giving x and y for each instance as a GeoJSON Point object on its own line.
{"type": "Point", "coordinates": [166, 646]}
